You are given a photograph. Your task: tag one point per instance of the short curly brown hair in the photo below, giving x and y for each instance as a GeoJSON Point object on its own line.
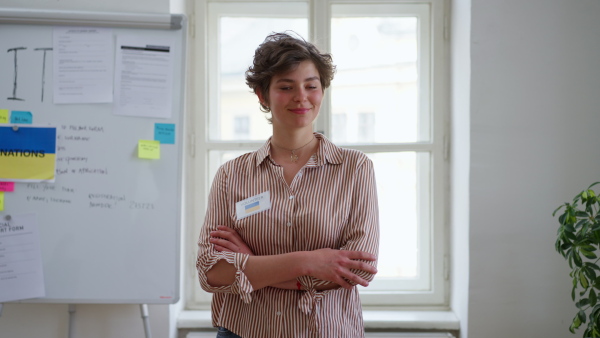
{"type": "Point", "coordinates": [281, 53]}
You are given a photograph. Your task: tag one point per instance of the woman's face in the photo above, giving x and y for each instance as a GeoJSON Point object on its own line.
{"type": "Point", "coordinates": [295, 97]}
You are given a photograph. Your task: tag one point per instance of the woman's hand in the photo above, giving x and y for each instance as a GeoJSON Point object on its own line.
{"type": "Point", "coordinates": [336, 265]}
{"type": "Point", "coordinates": [227, 239]}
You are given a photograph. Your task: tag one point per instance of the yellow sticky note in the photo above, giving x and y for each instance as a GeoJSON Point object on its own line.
{"type": "Point", "coordinates": [3, 115]}
{"type": "Point", "coordinates": [1, 200]}
{"type": "Point", "coordinates": [149, 149]}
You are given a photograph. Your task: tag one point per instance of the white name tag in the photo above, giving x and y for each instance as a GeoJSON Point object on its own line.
{"type": "Point", "coordinates": [253, 205]}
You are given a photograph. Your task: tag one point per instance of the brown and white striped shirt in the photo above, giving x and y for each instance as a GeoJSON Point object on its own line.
{"type": "Point", "coordinates": [331, 203]}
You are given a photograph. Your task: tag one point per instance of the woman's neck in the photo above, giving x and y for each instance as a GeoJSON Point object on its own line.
{"type": "Point", "coordinates": [292, 140]}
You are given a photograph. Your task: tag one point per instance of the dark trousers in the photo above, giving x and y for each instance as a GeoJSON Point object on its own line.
{"type": "Point", "coordinates": [224, 333]}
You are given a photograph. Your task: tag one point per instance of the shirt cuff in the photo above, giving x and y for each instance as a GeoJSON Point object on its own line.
{"type": "Point", "coordinates": [241, 285]}
{"type": "Point", "coordinates": [310, 302]}
{"type": "Point", "coordinates": [311, 299]}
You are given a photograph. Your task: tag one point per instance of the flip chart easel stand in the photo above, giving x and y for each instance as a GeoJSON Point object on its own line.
{"type": "Point", "coordinates": [71, 319]}
{"type": "Point", "coordinates": [144, 310]}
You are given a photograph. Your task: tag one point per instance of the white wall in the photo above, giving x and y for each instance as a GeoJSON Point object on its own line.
{"type": "Point", "coordinates": [535, 143]}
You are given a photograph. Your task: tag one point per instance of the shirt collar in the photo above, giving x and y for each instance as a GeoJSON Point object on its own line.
{"type": "Point", "coordinates": [327, 153]}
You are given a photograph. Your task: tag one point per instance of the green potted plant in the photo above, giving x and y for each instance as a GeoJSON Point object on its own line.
{"type": "Point", "coordinates": [577, 241]}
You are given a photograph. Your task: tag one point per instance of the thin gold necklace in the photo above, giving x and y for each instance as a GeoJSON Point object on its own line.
{"type": "Point", "coordinates": [293, 155]}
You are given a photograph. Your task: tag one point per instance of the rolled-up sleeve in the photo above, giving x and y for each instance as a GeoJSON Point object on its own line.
{"type": "Point", "coordinates": [360, 234]}
{"type": "Point", "coordinates": [362, 230]}
{"type": "Point", "coordinates": [218, 214]}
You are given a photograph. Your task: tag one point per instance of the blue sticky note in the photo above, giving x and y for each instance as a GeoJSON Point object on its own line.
{"type": "Point", "coordinates": [164, 132]}
{"type": "Point", "coordinates": [21, 117]}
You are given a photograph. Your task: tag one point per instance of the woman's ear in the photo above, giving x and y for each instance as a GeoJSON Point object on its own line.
{"type": "Point", "coordinates": [261, 98]}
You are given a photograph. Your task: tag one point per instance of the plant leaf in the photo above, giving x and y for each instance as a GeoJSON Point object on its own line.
{"type": "Point", "coordinates": [590, 273]}
{"type": "Point", "coordinates": [575, 324]}
{"type": "Point", "coordinates": [593, 298]}
{"type": "Point", "coordinates": [557, 209]}
{"type": "Point", "coordinates": [582, 316]}
{"type": "Point", "coordinates": [588, 254]}
{"type": "Point", "coordinates": [583, 280]}
{"type": "Point", "coordinates": [561, 218]}
{"type": "Point", "coordinates": [576, 259]}
{"type": "Point", "coordinates": [580, 213]}
{"type": "Point", "coordinates": [583, 302]}
{"type": "Point", "coordinates": [593, 184]}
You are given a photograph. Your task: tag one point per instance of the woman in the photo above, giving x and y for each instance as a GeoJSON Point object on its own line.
{"type": "Point", "coordinates": [291, 228]}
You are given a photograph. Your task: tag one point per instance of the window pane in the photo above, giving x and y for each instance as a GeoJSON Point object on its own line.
{"type": "Point", "coordinates": [217, 157]}
{"type": "Point", "coordinates": [376, 79]}
{"type": "Point", "coordinates": [401, 206]}
{"type": "Point", "coordinates": [238, 39]}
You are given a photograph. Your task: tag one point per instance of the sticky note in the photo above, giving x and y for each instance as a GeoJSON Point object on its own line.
{"type": "Point", "coordinates": [1, 200]}
{"type": "Point", "coordinates": [22, 117]}
{"type": "Point", "coordinates": [149, 149]}
{"type": "Point", "coordinates": [7, 186]}
{"type": "Point", "coordinates": [3, 115]}
{"type": "Point", "coordinates": [164, 132]}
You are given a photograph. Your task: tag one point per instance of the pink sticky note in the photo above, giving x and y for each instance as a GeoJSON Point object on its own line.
{"type": "Point", "coordinates": [7, 186]}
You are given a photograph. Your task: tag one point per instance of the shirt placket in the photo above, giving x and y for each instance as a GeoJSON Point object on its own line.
{"type": "Point", "coordinates": [294, 230]}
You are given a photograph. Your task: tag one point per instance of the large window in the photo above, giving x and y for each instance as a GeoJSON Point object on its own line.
{"type": "Point", "coordinates": [387, 99]}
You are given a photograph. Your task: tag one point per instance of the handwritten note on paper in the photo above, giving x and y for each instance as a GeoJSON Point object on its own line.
{"type": "Point", "coordinates": [149, 149]}
{"type": "Point", "coordinates": [7, 186]}
{"type": "Point", "coordinates": [3, 115]}
{"type": "Point", "coordinates": [21, 117]}
{"type": "Point", "coordinates": [21, 276]}
{"type": "Point", "coordinates": [164, 132]}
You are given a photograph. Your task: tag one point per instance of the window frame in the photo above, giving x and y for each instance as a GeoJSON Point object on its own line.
{"type": "Point", "coordinates": [319, 12]}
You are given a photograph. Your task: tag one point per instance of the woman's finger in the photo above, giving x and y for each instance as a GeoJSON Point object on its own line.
{"type": "Point", "coordinates": [358, 265]}
{"type": "Point", "coordinates": [230, 239]}
{"type": "Point", "coordinates": [221, 249]}
{"type": "Point", "coordinates": [225, 244]}
{"type": "Point", "coordinates": [359, 255]}
{"type": "Point", "coordinates": [356, 279]}
{"type": "Point", "coordinates": [229, 234]}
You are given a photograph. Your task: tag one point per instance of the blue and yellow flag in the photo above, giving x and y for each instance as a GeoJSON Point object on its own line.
{"type": "Point", "coordinates": [27, 154]}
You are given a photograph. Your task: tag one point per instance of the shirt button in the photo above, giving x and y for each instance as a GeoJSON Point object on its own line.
{"type": "Point", "coordinates": [289, 224]}
{"type": "Point", "coordinates": [292, 197]}
{"type": "Point", "coordinates": [278, 313]}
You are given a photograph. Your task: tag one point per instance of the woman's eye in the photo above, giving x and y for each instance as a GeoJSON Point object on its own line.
{"type": "Point", "coordinates": [285, 88]}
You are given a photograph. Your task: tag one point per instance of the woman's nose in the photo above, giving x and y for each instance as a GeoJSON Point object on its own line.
{"type": "Point", "coordinates": [300, 95]}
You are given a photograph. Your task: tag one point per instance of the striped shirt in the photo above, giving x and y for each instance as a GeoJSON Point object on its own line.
{"type": "Point", "coordinates": [331, 203]}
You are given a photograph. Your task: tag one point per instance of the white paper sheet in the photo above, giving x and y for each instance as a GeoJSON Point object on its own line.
{"type": "Point", "coordinates": [83, 65]}
{"type": "Point", "coordinates": [21, 273]}
{"type": "Point", "coordinates": [143, 77]}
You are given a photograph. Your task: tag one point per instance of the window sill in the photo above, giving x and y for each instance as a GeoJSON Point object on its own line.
{"type": "Point", "coordinates": [392, 320]}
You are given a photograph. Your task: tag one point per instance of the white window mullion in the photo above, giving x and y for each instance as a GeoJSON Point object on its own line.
{"type": "Point", "coordinates": [319, 30]}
